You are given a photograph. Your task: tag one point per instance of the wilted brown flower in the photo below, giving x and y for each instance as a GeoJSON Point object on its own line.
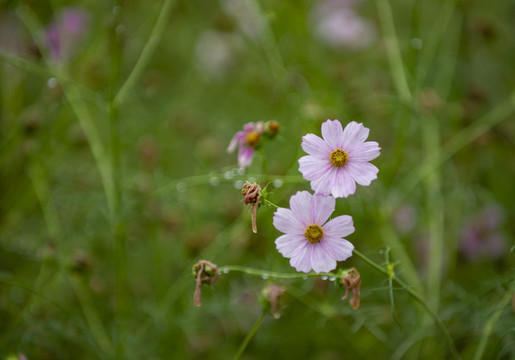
{"type": "Point", "coordinates": [204, 272]}
{"type": "Point", "coordinates": [352, 282]}
{"type": "Point", "coordinates": [271, 299]}
{"type": "Point", "coordinates": [250, 194]}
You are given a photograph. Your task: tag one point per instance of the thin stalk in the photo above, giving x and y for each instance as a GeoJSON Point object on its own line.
{"type": "Point", "coordinates": [146, 53]}
{"type": "Point", "coordinates": [393, 51]}
{"type": "Point", "coordinates": [92, 318]}
{"type": "Point", "coordinates": [77, 103]}
{"type": "Point", "coordinates": [434, 208]}
{"type": "Point", "coordinates": [492, 320]}
{"type": "Point", "coordinates": [249, 336]}
{"type": "Point", "coordinates": [271, 274]}
{"type": "Point", "coordinates": [415, 297]}
{"type": "Point", "coordinates": [118, 225]}
{"type": "Point", "coordinates": [500, 113]}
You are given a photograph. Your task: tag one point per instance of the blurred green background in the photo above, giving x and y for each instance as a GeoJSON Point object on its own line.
{"type": "Point", "coordinates": [115, 117]}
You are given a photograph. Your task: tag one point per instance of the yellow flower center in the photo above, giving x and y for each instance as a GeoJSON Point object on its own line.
{"type": "Point", "coordinates": [339, 158]}
{"type": "Point", "coordinates": [252, 138]}
{"type": "Point", "coordinates": [314, 233]}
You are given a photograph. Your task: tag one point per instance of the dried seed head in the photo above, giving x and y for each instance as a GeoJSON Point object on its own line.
{"type": "Point", "coordinates": [204, 272]}
{"type": "Point", "coordinates": [271, 297]}
{"type": "Point", "coordinates": [352, 282]}
{"type": "Point", "coordinates": [251, 193]}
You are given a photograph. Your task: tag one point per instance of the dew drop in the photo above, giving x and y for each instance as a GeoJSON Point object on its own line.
{"type": "Point", "coordinates": [264, 276]}
{"type": "Point", "coordinates": [227, 271]}
{"type": "Point", "coordinates": [416, 44]}
{"type": "Point", "coordinates": [52, 83]}
{"type": "Point", "coordinates": [278, 183]}
{"type": "Point", "coordinates": [214, 181]}
{"type": "Point", "coordinates": [228, 175]}
{"type": "Point", "coordinates": [181, 187]}
{"type": "Point", "coordinates": [324, 277]}
{"type": "Point", "coordinates": [252, 179]}
{"type": "Point", "coordinates": [241, 171]}
{"type": "Point", "coordinates": [276, 315]}
{"type": "Point", "coordinates": [238, 184]}
{"type": "Point", "coordinates": [304, 277]}
{"type": "Point", "coordinates": [332, 278]}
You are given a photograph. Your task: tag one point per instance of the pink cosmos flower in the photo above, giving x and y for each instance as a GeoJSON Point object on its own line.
{"type": "Point", "coordinates": [307, 242]}
{"type": "Point", "coordinates": [247, 141]}
{"type": "Point", "coordinates": [340, 160]}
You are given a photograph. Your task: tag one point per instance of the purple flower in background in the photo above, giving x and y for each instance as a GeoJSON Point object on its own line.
{"type": "Point", "coordinates": [65, 32]}
{"type": "Point", "coordinates": [307, 242]}
{"type": "Point", "coordinates": [340, 160]}
{"type": "Point", "coordinates": [481, 238]}
{"type": "Point", "coordinates": [337, 24]}
{"type": "Point", "coordinates": [247, 141]}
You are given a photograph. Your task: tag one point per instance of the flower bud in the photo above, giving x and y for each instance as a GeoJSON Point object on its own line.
{"type": "Point", "coordinates": [272, 128]}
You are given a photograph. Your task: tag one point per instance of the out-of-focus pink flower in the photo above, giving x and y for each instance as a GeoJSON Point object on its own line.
{"type": "Point", "coordinates": [64, 34]}
{"type": "Point", "coordinates": [337, 24]}
{"type": "Point", "coordinates": [309, 242]}
{"type": "Point", "coordinates": [481, 237]}
{"type": "Point", "coordinates": [247, 140]}
{"type": "Point", "coordinates": [337, 162]}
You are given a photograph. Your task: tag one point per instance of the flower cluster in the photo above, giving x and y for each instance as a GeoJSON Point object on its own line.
{"type": "Point", "coordinates": [249, 139]}
{"type": "Point", "coordinates": [334, 164]}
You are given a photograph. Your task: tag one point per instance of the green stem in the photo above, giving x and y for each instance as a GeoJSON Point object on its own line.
{"type": "Point", "coordinates": [414, 296]}
{"type": "Point", "coordinates": [434, 209]}
{"type": "Point", "coordinates": [146, 53]}
{"type": "Point", "coordinates": [249, 336]}
{"type": "Point", "coordinates": [393, 51]}
{"type": "Point", "coordinates": [117, 223]}
{"type": "Point", "coordinates": [492, 320]}
{"type": "Point", "coordinates": [92, 318]}
{"type": "Point", "coordinates": [271, 274]}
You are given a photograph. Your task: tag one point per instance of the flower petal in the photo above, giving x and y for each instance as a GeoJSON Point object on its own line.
{"type": "Point", "coordinates": [321, 208]}
{"type": "Point", "coordinates": [320, 259]}
{"type": "Point", "coordinates": [314, 145]}
{"type": "Point", "coordinates": [245, 155]}
{"type": "Point", "coordinates": [301, 260]}
{"type": "Point", "coordinates": [324, 184]}
{"type": "Point", "coordinates": [362, 172]}
{"type": "Point", "coordinates": [235, 140]}
{"type": "Point", "coordinates": [353, 134]}
{"type": "Point", "coordinates": [249, 127]}
{"type": "Point", "coordinates": [312, 167]}
{"type": "Point", "coordinates": [366, 151]}
{"type": "Point", "coordinates": [332, 132]}
{"type": "Point", "coordinates": [339, 227]}
{"type": "Point", "coordinates": [300, 205]}
{"type": "Point", "coordinates": [343, 183]}
{"type": "Point", "coordinates": [286, 222]}
{"type": "Point", "coordinates": [288, 244]}
{"type": "Point", "coordinates": [337, 248]}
